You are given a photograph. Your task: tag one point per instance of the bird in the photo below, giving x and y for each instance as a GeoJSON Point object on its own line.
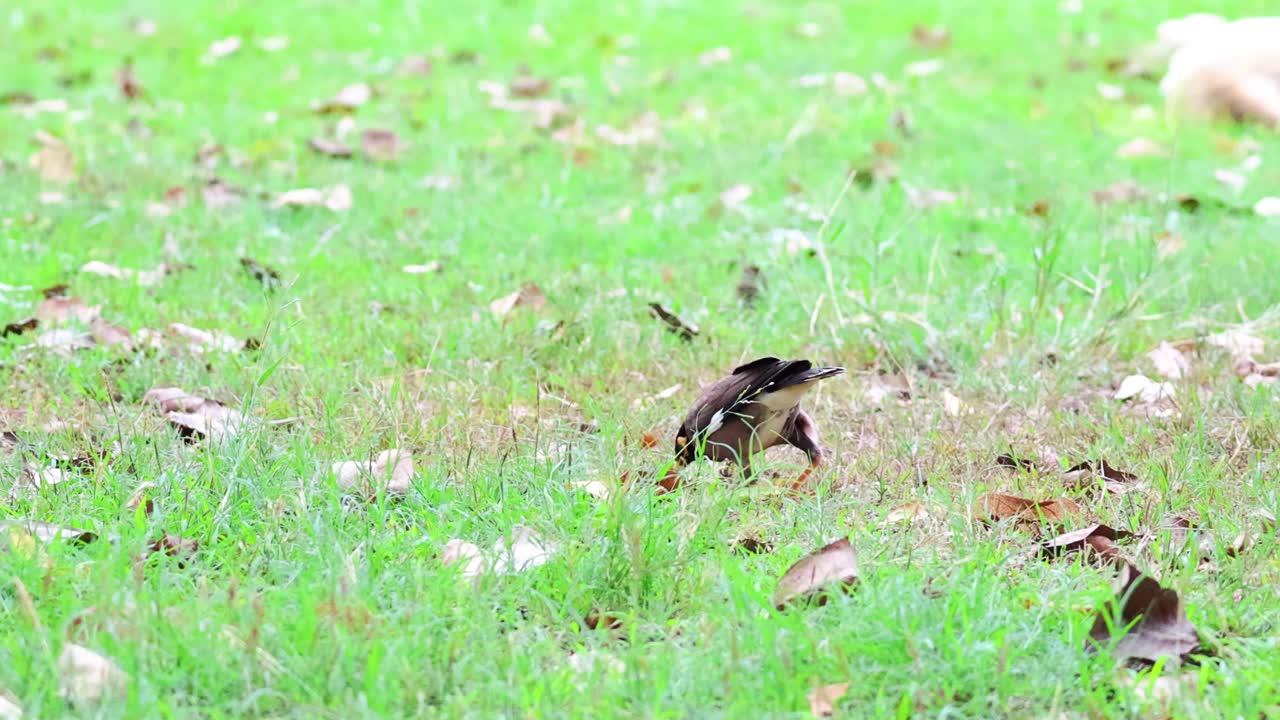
{"type": "Point", "coordinates": [755, 407]}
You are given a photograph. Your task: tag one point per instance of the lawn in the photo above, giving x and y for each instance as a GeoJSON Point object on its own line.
{"type": "Point", "coordinates": [973, 240]}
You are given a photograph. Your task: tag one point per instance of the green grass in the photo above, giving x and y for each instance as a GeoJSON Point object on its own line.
{"type": "Point", "coordinates": [344, 610]}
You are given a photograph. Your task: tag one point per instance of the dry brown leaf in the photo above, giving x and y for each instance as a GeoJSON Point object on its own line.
{"type": "Point", "coordinates": [528, 86]}
{"type": "Point", "coordinates": [924, 198]}
{"type": "Point", "coordinates": [58, 309]}
{"type": "Point", "coordinates": [142, 499]}
{"type": "Point", "coordinates": [1144, 390]}
{"type": "Point", "coordinates": [1100, 538]}
{"type": "Point", "coordinates": [1267, 207]}
{"type": "Point", "coordinates": [329, 147]}
{"type": "Point", "coordinates": [88, 677]}
{"type": "Point", "coordinates": [751, 284]}
{"type": "Point", "coordinates": [1238, 343]}
{"type": "Point", "coordinates": [458, 551]}
{"type": "Point", "coordinates": [684, 330]}
{"type": "Point", "coordinates": [53, 160]}
{"type": "Point", "coordinates": [1149, 625]}
{"type": "Point", "coordinates": [200, 341]}
{"type": "Point", "coordinates": [346, 101]}
{"type": "Point", "coordinates": [107, 334]}
{"type": "Point", "coordinates": [823, 699]}
{"type": "Point", "coordinates": [419, 65]}
{"type": "Point", "coordinates": [173, 546]}
{"type": "Point", "coordinates": [715, 56]}
{"type": "Point", "coordinates": [1126, 191]}
{"type": "Point", "coordinates": [752, 546]}
{"type": "Point", "coordinates": [934, 37]}
{"type": "Point", "coordinates": [1018, 463]}
{"type": "Point", "coordinates": [128, 83]}
{"type": "Point", "coordinates": [383, 145]}
{"type": "Point", "coordinates": [218, 195]}
{"type": "Point", "coordinates": [1169, 362]}
{"type": "Point", "coordinates": [392, 471]}
{"type": "Point", "coordinates": [429, 268]}
{"type": "Point", "coordinates": [19, 327]}
{"type": "Point", "coordinates": [1142, 147]}
{"type": "Point", "coordinates": [832, 566]}
{"type": "Point", "coordinates": [923, 68]}
{"type": "Point", "coordinates": [644, 130]}
{"type": "Point", "coordinates": [22, 532]}
{"type": "Point", "coordinates": [911, 512]}
{"type": "Point", "coordinates": [195, 417]}
{"type": "Point", "coordinates": [528, 296]}
{"type": "Point", "coordinates": [145, 278]}
{"type": "Point", "coordinates": [264, 274]}
{"type": "Point", "coordinates": [735, 196]}
{"type": "Point", "coordinates": [337, 198]}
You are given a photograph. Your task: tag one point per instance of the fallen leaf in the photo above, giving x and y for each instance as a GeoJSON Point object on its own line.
{"type": "Point", "coordinates": [107, 334]}
{"type": "Point", "coordinates": [528, 86]}
{"type": "Point", "coordinates": [265, 275]}
{"type": "Point", "coordinates": [1090, 473]}
{"type": "Point", "coordinates": [65, 342]}
{"type": "Point", "coordinates": [1100, 538]}
{"type": "Point", "coordinates": [392, 470]}
{"type": "Point", "coordinates": [383, 145]}
{"type": "Point", "coordinates": [1126, 191]}
{"type": "Point", "coordinates": [173, 546]}
{"type": "Point", "coordinates": [429, 268]}
{"type": "Point", "coordinates": [935, 37]}
{"type": "Point", "coordinates": [1169, 361]}
{"type": "Point", "coordinates": [832, 566]}
{"type": "Point", "coordinates": [1148, 626]}
{"type": "Point", "coordinates": [1018, 463]}
{"type": "Point", "coordinates": [735, 196]}
{"type": "Point", "coordinates": [594, 488]}
{"type": "Point", "coordinates": [644, 130]}
{"type": "Point", "coordinates": [141, 499]}
{"type": "Point", "coordinates": [274, 43]}
{"type": "Point", "coordinates": [526, 550]}
{"type": "Point", "coordinates": [752, 546]}
{"type": "Point", "coordinates": [222, 48]}
{"type": "Point", "coordinates": [19, 327]}
{"type": "Point", "coordinates": [923, 68]}
{"type": "Point", "coordinates": [200, 341]}
{"type": "Point", "coordinates": [9, 707]}
{"type": "Point", "coordinates": [911, 512]}
{"type": "Point", "coordinates": [1238, 343]}
{"type": "Point", "coordinates": [1114, 93]}
{"type": "Point", "coordinates": [1268, 207]}
{"type": "Point", "coordinates": [823, 699]}
{"type": "Point", "coordinates": [58, 309]}
{"type": "Point", "coordinates": [1144, 389]}
{"type": "Point", "coordinates": [1031, 514]}
{"type": "Point", "coordinates": [1169, 244]}
{"type": "Point", "coordinates": [419, 65]}
{"type": "Point", "coordinates": [925, 198]}
{"type": "Point", "coordinates": [438, 182]}
{"type": "Point", "coordinates": [336, 198]}
{"type": "Point", "coordinates": [195, 417]}
{"type": "Point", "coordinates": [145, 278]}
{"type": "Point", "coordinates": [88, 677]}
{"type": "Point", "coordinates": [53, 160]}
{"type": "Point", "coordinates": [1231, 179]}
{"type": "Point", "coordinates": [329, 148]}
{"type": "Point", "coordinates": [951, 404]}
{"type": "Point", "coordinates": [18, 532]}
{"type": "Point", "coordinates": [346, 101]}
{"type": "Point", "coordinates": [751, 284]}
{"type": "Point", "coordinates": [1142, 147]}
{"type": "Point", "coordinates": [218, 195]}
{"type": "Point", "coordinates": [528, 296]}
{"type": "Point", "coordinates": [127, 83]}
{"type": "Point", "coordinates": [684, 330]}
{"type": "Point", "coordinates": [715, 56]}
{"type": "Point", "coordinates": [458, 551]}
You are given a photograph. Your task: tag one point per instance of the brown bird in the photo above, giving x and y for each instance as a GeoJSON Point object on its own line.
{"type": "Point", "coordinates": [756, 407]}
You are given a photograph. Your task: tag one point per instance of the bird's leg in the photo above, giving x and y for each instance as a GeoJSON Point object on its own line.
{"type": "Point", "coordinates": [802, 433]}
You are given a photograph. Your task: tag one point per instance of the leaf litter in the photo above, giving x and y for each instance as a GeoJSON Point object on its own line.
{"type": "Point", "coordinates": [1144, 624]}
{"type": "Point", "coordinates": [831, 567]}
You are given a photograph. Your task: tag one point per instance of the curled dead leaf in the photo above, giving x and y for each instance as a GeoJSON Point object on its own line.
{"type": "Point", "coordinates": [346, 101]}
{"type": "Point", "coordinates": [1125, 191]}
{"type": "Point", "coordinates": [684, 330]}
{"type": "Point", "coordinates": [53, 161]}
{"type": "Point", "coordinates": [823, 699]}
{"type": "Point", "coordinates": [834, 566]}
{"type": "Point", "coordinates": [1144, 390]}
{"type": "Point", "coordinates": [392, 471]}
{"type": "Point", "coordinates": [1169, 361]}
{"type": "Point", "coordinates": [195, 417]}
{"type": "Point", "coordinates": [382, 145]}
{"type": "Point", "coordinates": [1144, 623]}
{"type": "Point", "coordinates": [87, 677]}
{"type": "Point", "coordinates": [329, 148]}
{"type": "Point", "coordinates": [528, 296]}
{"type": "Point", "coordinates": [1142, 147]}
{"type": "Point", "coordinates": [337, 198]}
{"type": "Point", "coordinates": [1100, 538]}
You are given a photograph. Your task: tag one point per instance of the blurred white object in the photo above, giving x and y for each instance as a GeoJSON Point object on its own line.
{"type": "Point", "coordinates": [1223, 68]}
